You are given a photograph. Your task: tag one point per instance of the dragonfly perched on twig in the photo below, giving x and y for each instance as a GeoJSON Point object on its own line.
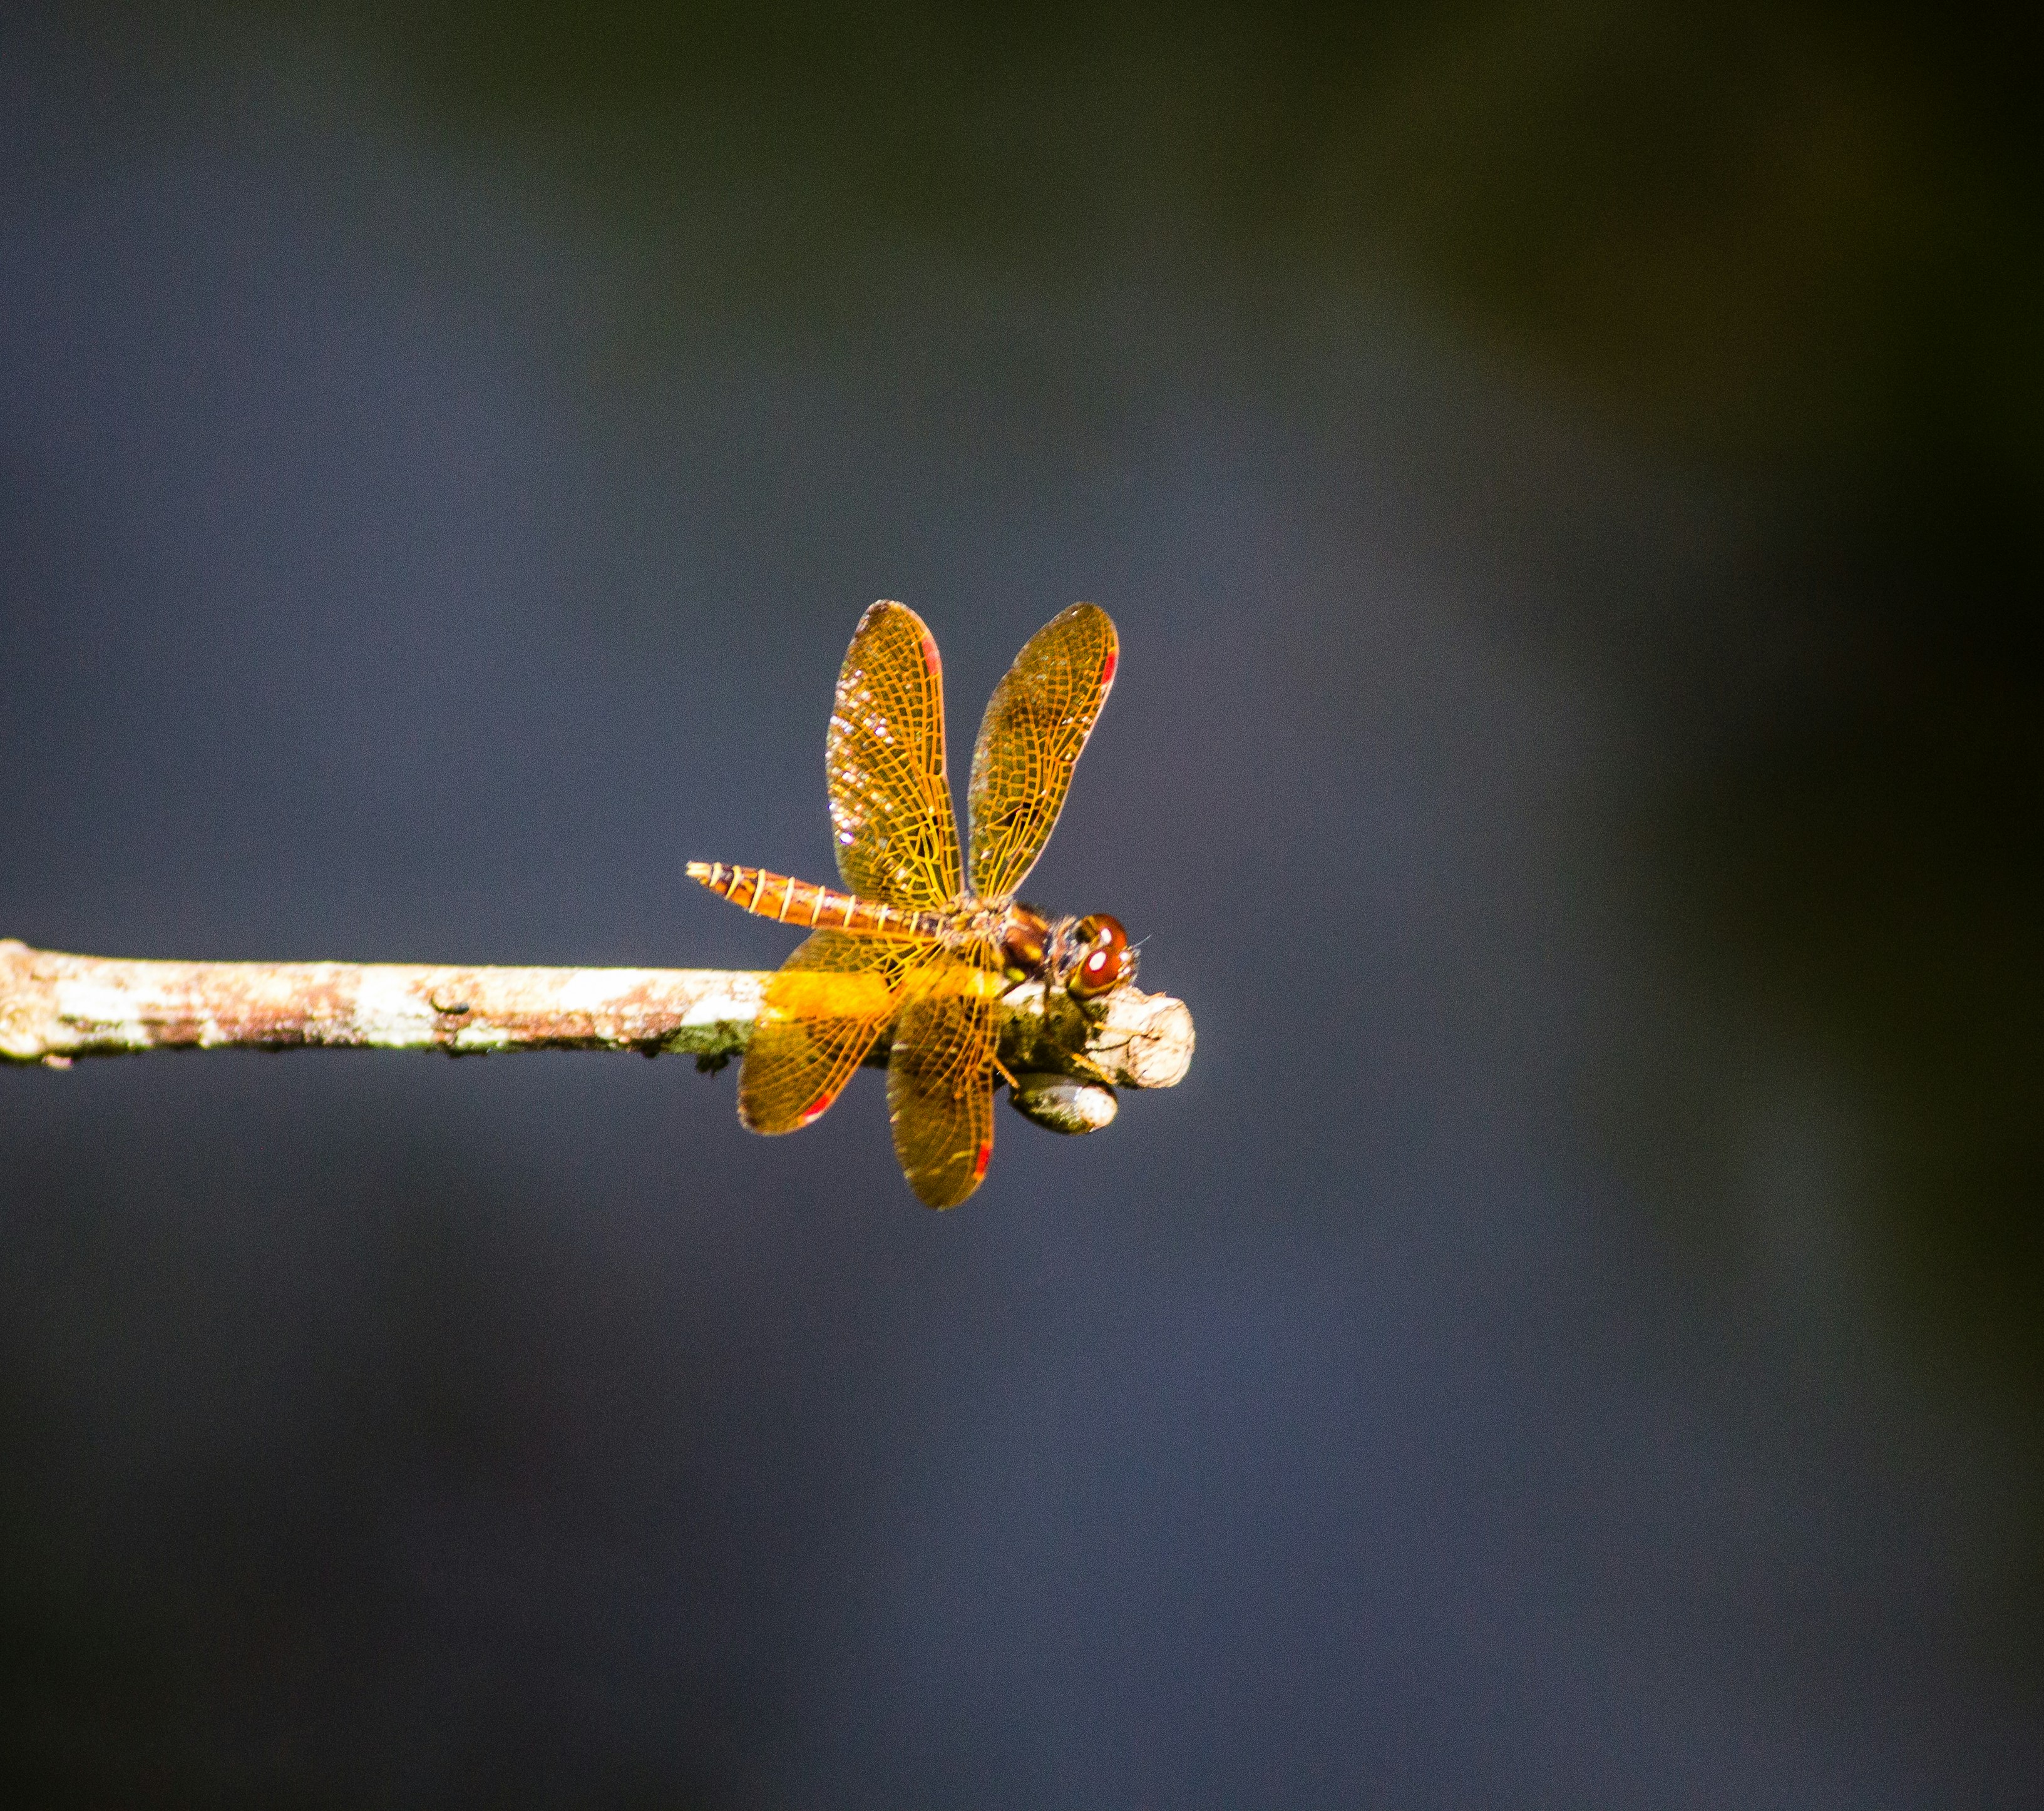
{"type": "Point", "coordinates": [911, 941]}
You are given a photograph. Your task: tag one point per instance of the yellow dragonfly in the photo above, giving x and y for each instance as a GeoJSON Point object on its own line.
{"type": "Point", "coordinates": [911, 941]}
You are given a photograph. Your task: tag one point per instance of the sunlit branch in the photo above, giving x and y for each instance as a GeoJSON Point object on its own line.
{"type": "Point", "coordinates": [54, 1007]}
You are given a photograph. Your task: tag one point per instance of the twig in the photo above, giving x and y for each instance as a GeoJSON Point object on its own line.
{"type": "Point", "coordinates": [54, 1007]}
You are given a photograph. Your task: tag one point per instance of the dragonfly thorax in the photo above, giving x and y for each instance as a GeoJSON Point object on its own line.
{"type": "Point", "coordinates": [1023, 939]}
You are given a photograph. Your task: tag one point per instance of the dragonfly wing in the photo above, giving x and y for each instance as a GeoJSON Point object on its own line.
{"type": "Point", "coordinates": [1037, 723]}
{"type": "Point", "coordinates": [823, 1009]}
{"type": "Point", "coordinates": [940, 1082]}
{"type": "Point", "coordinates": [890, 801]}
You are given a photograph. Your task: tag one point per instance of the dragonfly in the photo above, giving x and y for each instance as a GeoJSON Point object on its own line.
{"type": "Point", "coordinates": [913, 941]}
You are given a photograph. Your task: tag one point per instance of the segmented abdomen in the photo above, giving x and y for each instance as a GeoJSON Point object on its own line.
{"type": "Point", "coordinates": [790, 901]}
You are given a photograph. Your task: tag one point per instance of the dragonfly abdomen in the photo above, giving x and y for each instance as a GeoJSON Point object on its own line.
{"type": "Point", "coordinates": [787, 900]}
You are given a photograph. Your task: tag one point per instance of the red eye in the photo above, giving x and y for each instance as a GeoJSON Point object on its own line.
{"type": "Point", "coordinates": [1105, 963]}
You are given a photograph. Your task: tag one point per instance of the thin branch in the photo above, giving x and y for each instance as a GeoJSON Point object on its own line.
{"type": "Point", "coordinates": [54, 1007]}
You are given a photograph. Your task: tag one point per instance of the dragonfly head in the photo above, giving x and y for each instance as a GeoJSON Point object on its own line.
{"type": "Point", "coordinates": [1096, 956]}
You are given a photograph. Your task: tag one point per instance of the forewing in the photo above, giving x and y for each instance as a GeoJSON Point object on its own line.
{"type": "Point", "coordinates": [890, 802]}
{"type": "Point", "coordinates": [823, 1009]}
{"type": "Point", "coordinates": [940, 1081]}
{"type": "Point", "coordinates": [1037, 723]}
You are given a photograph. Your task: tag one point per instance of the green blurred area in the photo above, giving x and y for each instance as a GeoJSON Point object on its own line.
{"type": "Point", "coordinates": [1785, 231]}
{"type": "Point", "coordinates": [1798, 244]}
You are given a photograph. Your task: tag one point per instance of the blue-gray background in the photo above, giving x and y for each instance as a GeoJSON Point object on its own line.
{"type": "Point", "coordinates": [1567, 480]}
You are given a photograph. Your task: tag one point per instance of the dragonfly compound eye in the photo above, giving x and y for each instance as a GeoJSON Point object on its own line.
{"type": "Point", "coordinates": [1104, 962]}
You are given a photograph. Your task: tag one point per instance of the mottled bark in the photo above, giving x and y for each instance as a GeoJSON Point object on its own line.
{"type": "Point", "coordinates": [54, 1007]}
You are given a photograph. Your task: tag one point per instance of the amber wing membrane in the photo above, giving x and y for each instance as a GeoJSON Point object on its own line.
{"type": "Point", "coordinates": [890, 802]}
{"type": "Point", "coordinates": [940, 1081]}
{"type": "Point", "coordinates": [1036, 723]}
{"type": "Point", "coordinates": [823, 1009]}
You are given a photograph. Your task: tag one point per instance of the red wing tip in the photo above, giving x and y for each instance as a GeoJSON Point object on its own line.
{"type": "Point", "coordinates": [814, 1112]}
{"type": "Point", "coordinates": [986, 1156]}
{"type": "Point", "coordinates": [1109, 661]}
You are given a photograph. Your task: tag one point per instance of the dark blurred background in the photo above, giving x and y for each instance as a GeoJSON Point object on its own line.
{"type": "Point", "coordinates": [1569, 479]}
